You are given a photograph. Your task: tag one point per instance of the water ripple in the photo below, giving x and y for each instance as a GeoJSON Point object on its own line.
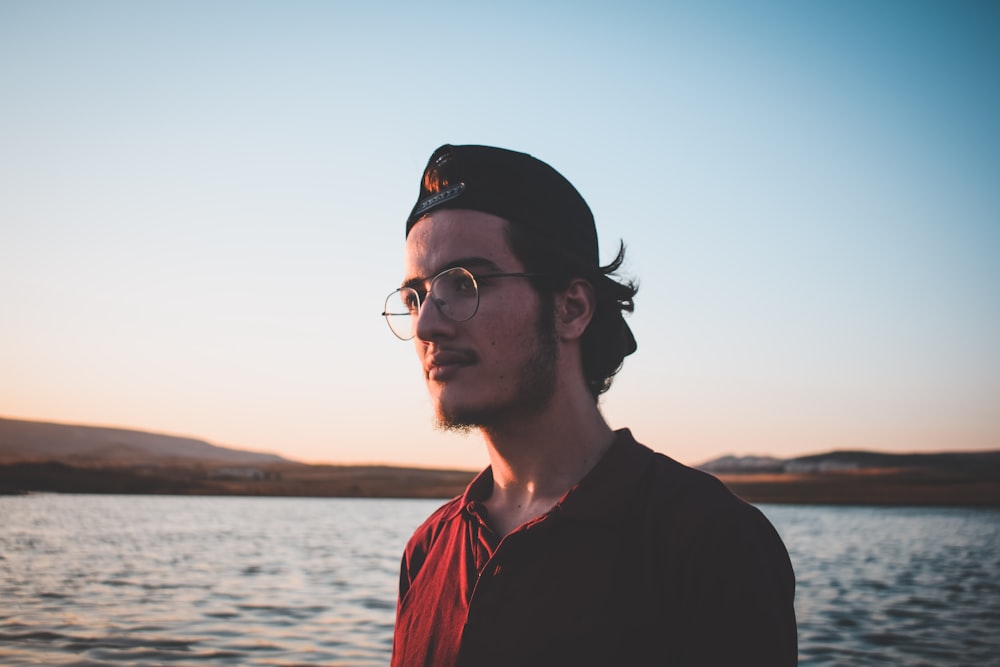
{"type": "Point", "coordinates": [106, 581]}
{"type": "Point", "coordinates": [895, 586]}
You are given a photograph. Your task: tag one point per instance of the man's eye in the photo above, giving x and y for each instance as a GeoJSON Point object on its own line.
{"type": "Point", "coordinates": [457, 284]}
{"type": "Point", "coordinates": [411, 300]}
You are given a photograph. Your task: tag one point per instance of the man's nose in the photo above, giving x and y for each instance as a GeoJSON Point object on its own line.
{"type": "Point", "coordinates": [431, 322]}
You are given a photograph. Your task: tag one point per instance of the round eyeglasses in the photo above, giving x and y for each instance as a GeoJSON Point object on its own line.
{"type": "Point", "coordinates": [455, 293]}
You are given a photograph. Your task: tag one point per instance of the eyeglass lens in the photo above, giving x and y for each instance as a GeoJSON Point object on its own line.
{"type": "Point", "coordinates": [454, 293]}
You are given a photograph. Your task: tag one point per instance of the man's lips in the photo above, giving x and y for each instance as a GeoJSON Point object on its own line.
{"type": "Point", "coordinates": [440, 364]}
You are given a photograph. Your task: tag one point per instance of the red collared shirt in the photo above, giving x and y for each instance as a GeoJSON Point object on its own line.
{"type": "Point", "coordinates": [645, 561]}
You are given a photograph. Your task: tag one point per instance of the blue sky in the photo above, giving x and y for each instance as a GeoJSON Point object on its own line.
{"type": "Point", "coordinates": [202, 205]}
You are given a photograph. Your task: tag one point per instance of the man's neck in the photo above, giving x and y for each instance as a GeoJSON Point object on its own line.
{"type": "Point", "coordinates": [536, 460]}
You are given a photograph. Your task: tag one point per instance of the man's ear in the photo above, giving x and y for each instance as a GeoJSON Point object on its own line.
{"type": "Point", "coordinates": [575, 308]}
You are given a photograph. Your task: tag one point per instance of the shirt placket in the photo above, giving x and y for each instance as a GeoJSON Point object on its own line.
{"type": "Point", "coordinates": [487, 587]}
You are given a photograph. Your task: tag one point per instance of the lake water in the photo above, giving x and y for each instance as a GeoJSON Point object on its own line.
{"type": "Point", "coordinates": [151, 580]}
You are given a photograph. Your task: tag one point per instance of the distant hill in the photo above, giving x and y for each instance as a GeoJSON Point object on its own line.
{"type": "Point", "coordinates": [64, 458]}
{"type": "Point", "coordinates": [966, 479]}
{"type": "Point", "coordinates": [743, 464]}
{"type": "Point", "coordinates": [847, 461]}
{"type": "Point", "coordinates": [26, 441]}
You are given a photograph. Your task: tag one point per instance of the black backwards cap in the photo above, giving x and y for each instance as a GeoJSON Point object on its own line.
{"type": "Point", "coordinates": [519, 188]}
{"type": "Point", "coordinates": [510, 185]}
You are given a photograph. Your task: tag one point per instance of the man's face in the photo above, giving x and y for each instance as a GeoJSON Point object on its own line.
{"type": "Point", "coordinates": [500, 364]}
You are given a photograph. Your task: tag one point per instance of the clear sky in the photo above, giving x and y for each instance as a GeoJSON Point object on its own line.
{"type": "Point", "coordinates": [202, 206]}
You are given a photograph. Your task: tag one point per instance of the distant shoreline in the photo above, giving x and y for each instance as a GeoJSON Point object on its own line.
{"type": "Point", "coordinates": [916, 487]}
{"type": "Point", "coordinates": [925, 488]}
{"type": "Point", "coordinates": [74, 458]}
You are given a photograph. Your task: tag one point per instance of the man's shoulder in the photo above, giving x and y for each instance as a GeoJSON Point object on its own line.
{"type": "Point", "coordinates": [685, 483]}
{"type": "Point", "coordinates": [684, 496]}
{"type": "Point", "coordinates": [672, 481]}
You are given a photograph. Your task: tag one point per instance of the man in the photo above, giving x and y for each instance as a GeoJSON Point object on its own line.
{"type": "Point", "coordinates": [577, 545]}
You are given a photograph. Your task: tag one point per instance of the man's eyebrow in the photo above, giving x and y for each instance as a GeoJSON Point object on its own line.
{"type": "Point", "coordinates": [473, 264]}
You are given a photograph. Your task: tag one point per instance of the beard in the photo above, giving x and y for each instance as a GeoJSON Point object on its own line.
{"type": "Point", "coordinates": [535, 385]}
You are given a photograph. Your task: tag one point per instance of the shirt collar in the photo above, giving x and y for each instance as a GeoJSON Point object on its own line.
{"type": "Point", "coordinates": [606, 492]}
{"type": "Point", "coordinates": [602, 495]}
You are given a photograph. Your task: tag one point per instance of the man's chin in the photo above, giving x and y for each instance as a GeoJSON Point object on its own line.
{"type": "Point", "coordinates": [465, 418]}
{"type": "Point", "coordinates": [460, 420]}
{"type": "Point", "coordinates": [455, 427]}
